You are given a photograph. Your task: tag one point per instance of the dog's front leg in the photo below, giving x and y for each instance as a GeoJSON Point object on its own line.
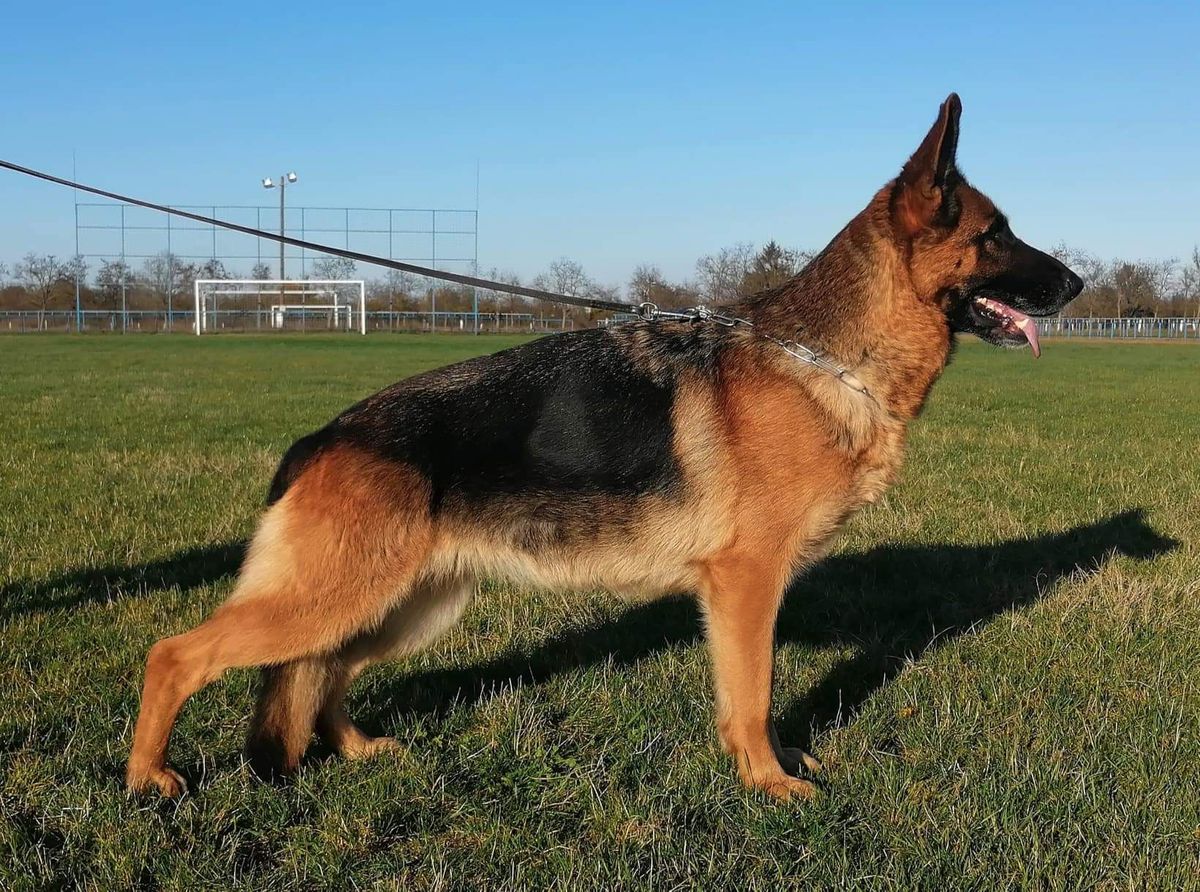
{"type": "Point", "coordinates": [741, 600]}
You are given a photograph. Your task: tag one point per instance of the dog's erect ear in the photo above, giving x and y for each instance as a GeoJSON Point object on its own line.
{"type": "Point", "coordinates": [924, 195]}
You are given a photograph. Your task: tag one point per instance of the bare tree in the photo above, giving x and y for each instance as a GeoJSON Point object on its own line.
{"type": "Point", "coordinates": [1162, 275]}
{"type": "Point", "coordinates": [77, 270]}
{"type": "Point", "coordinates": [503, 301]}
{"type": "Point", "coordinates": [1189, 283]}
{"type": "Point", "coordinates": [645, 280]}
{"type": "Point", "coordinates": [1129, 285]}
{"type": "Point", "coordinates": [184, 281]}
{"type": "Point", "coordinates": [334, 268]}
{"type": "Point", "coordinates": [647, 285]}
{"type": "Point", "coordinates": [1073, 257]}
{"type": "Point", "coordinates": [43, 277]}
{"type": "Point", "coordinates": [1096, 272]}
{"type": "Point", "coordinates": [1123, 287]}
{"type": "Point", "coordinates": [260, 271]}
{"type": "Point", "coordinates": [212, 269]}
{"type": "Point", "coordinates": [1141, 285]}
{"type": "Point", "coordinates": [396, 288]}
{"type": "Point", "coordinates": [771, 266]}
{"type": "Point", "coordinates": [401, 286]}
{"type": "Point", "coordinates": [188, 273]}
{"type": "Point", "coordinates": [1099, 293]}
{"type": "Point", "coordinates": [564, 276]}
{"type": "Point", "coordinates": [721, 274]}
{"type": "Point", "coordinates": [610, 293]}
{"type": "Point", "coordinates": [112, 280]}
{"type": "Point", "coordinates": [157, 274]}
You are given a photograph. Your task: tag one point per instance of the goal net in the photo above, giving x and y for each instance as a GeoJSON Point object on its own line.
{"type": "Point", "coordinates": [280, 304]}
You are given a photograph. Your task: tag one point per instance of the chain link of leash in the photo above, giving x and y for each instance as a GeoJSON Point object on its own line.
{"type": "Point", "coordinates": [651, 312]}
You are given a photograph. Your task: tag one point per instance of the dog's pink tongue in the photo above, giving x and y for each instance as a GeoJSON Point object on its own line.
{"type": "Point", "coordinates": [1025, 326]}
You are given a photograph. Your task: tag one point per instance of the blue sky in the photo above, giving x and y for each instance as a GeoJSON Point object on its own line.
{"type": "Point", "coordinates": [612, 133]}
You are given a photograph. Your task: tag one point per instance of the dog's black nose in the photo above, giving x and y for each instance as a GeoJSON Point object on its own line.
{"type": "Point", "coordinates": [1073, 284]}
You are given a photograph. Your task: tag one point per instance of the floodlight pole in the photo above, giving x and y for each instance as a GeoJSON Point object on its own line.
{"type": "Point", "coordinates": [75, 262]}
{"type": "Point", "coordinates": [268, 183]}
{"type": "Point", "coordinates": [282, 194]}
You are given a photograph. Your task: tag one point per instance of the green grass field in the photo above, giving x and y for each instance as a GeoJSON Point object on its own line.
{"type": "Point", "coordinates": [1000, 665]}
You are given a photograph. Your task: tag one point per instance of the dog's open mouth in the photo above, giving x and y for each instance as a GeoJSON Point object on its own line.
{"type": "Point", "coordinates": [1012, 325]}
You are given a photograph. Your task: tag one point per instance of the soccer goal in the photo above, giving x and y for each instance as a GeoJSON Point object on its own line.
{"type": "Point", "coordinates": [333, 304]}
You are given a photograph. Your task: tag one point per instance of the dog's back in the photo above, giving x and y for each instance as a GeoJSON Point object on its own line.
{"type": "Point", "coordinates": [586, 414]}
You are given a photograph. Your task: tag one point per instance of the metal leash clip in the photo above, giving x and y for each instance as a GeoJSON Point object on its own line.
{"type": "Point", "coordinates": [650, 312]}
{"type": "Point", "coordinates": [708, 315]}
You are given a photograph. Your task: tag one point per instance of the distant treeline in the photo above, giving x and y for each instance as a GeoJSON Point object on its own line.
{"type": "Point", "coordinates": [41, 282]}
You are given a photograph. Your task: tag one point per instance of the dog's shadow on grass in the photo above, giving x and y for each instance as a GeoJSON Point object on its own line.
{"type": "Point", "coordinates": [185, 569]}
{"type": "Point", "coordinates": [888, 604]}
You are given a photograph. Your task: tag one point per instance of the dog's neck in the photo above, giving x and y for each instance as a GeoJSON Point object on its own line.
{"type": "Point", "coordinates": [856, 303]}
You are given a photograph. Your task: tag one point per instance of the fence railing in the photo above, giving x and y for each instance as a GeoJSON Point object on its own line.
{"type": "Point", "coordinates": [1164, 327]}
{"type": "Point", "coordinates": [251, 320]}
{"type": "Point", "coordinates": [1175, 327]}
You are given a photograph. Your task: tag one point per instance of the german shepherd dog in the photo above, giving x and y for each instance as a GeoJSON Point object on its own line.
{"type": "Point", "coordinates": [649, 458]}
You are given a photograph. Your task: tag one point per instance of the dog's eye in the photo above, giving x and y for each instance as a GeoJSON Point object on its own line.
{"type": "Point", "coordinates": [993, 238]}
{"type": "Point", "coordinates": [996, 235]}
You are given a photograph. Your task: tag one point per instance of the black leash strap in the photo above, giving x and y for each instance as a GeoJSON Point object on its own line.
{"type": "Point", "coordinates": [471, 281]}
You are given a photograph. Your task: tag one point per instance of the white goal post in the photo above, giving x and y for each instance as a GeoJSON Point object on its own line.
{"type": "Point", "coordinates": [337, 295]}
{"type": "Point", "coordinates": [343, 314]}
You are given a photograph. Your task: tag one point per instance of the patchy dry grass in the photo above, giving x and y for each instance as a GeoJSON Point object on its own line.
{"type": "Point", "coordinates": [999, 665]}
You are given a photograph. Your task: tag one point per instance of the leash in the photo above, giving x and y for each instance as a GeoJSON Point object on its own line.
{"type": "Point", "coordinates": [458, 278]}
{"type": "Point", "coordinates": [793, 348]}
{"type": "Point", "coordinates": [645, 310]}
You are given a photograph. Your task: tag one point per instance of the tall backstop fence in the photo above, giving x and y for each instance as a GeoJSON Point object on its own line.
{"type": "Point", "coordinates": [442, 238]}
{"type": "Point", "coordinates": [147, 258]}
{"type": "Point", "coordinates": [537, 319]}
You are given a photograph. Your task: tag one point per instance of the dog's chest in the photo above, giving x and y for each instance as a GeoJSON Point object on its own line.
{"type": "Point", "coordinates": [878, 464]}
{"type": "Point", "coordinates": [799, 466]}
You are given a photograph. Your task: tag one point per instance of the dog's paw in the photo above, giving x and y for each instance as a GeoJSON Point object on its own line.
{"type": "Point", "coordinates": [786, 788]}
{"type": "Point", "coordinates": [794, 757]}
{"type": "Point", "coordinates": [366, 747]}
{"type": "Point", "coordinates": [167, 781]}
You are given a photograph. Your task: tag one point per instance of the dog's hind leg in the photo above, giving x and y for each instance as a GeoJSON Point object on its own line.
{"type": "Point", "coordinates": [740, 596]}
{"type": "Point", "coordinates": [290, 698]}
{"type": "Point", "coordinates": [330, 559]}
{"type": "Point", "coordinates": [307, 693]}
{"type": "Point", "coordinates": [430, 610]}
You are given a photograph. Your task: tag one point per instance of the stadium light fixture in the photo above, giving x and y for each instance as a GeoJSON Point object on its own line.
{"type": "Point", "coordinates": [268, 183]}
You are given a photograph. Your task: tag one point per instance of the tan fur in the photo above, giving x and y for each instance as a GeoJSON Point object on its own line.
{"type": "Point", "coordinates": [313, 578]}
{"type": "Point", "coordinates": [350, 566]}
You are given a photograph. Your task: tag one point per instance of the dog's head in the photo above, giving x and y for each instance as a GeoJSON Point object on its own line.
{"type": "Point", "coordinates": [962, 256]}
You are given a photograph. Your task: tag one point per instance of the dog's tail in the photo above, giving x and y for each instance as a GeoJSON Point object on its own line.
{"type": "Point", "coordinates": [295, 460]}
